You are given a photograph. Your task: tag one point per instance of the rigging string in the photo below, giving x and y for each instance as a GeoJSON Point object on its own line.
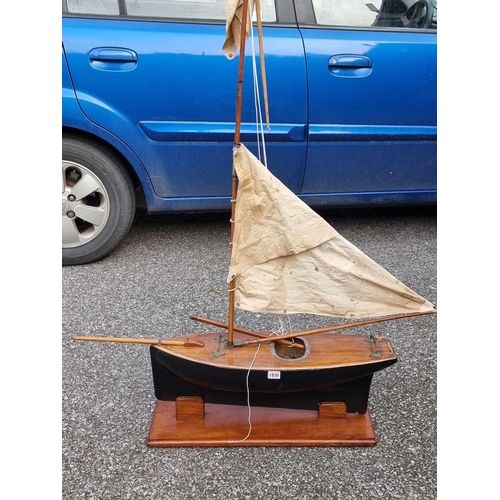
{"type": "Point", "coordinates": [259, 122]}
{"type": "Point", "coordinates": [248, 400]}
{"type": "Point", "coordinates": [281, 328]}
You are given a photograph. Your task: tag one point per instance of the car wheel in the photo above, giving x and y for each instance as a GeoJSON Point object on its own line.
{"type": "Point", "coordinates": [98, 201]}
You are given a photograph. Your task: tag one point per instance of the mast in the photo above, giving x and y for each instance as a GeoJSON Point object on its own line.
{"type": "Point", "coordinates": [234, 189]}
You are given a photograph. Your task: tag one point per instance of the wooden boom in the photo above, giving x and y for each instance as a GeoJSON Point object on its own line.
{"type": "Point", "coordinates": [185, 343]}
{"type": "Point", "coordinates": [331, 328]}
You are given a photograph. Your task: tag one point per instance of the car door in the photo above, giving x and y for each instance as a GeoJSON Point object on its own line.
{"type": "Point", "coordinates": [153, 73]}
{"type": "Point", "coordinates": [372, 97]}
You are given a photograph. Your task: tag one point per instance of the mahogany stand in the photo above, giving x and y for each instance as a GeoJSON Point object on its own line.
{"type": "Point", "coordinates": [188, 421]}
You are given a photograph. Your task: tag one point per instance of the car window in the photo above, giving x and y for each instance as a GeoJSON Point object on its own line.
{"type": "Point", "coordinates": [169, 9]}
{"type": "Point", "coordinates": [377, 13]}
{"type": "Point", "coordinates": [190, 9]}
{"type": "Point", "coordinates": [102, 7]}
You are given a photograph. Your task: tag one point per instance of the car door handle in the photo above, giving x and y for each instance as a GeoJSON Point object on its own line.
{"type": "Point", "coordinates": [350, 65]}
{"type": "Point", "coordinates": [113, 59]}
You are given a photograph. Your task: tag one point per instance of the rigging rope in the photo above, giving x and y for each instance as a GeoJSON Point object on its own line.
{"type": "Point", "coordinates": [259, 122]}
{"type": "Point", "coordinates": [281, 328]}
{"type": "Point", "coordinates": [248, 400]}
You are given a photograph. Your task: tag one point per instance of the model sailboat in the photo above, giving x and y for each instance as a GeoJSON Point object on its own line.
{"type": "Point", "coordinates": [285, 259]}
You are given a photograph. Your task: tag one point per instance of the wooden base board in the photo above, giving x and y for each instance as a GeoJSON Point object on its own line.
{"type": "Point", "coordinates": [228, 425]}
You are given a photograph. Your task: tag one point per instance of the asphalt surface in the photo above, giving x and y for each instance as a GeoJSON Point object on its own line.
{"type": "Point", "coordinates": [171, 267]}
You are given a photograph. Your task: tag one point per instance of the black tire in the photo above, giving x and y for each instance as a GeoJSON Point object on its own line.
{"type": "Point", "coordinates": [98, 201]}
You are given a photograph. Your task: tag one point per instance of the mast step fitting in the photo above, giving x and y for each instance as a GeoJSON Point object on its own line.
{"type": "Point", "coordinates": [219, 351]}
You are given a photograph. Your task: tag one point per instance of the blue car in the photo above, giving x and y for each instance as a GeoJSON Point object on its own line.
{"type": "Point", "coordinates": [148, 108]}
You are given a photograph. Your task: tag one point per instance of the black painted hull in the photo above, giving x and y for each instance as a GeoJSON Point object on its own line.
{"type": "Point", "coordinates": [298, 388]}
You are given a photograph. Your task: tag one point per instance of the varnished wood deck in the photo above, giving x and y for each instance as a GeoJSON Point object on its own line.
{"type": "Point", "coordinates": [323, 351]}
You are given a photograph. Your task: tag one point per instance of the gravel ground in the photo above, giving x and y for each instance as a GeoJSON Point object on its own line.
{"type": "Point", "coordinates": [171, 267]}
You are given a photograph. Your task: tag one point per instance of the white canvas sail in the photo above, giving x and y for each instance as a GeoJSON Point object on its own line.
{"type": "Point", "coordinates": [234, 16]}
{"type": "Point", "coordinates": [287, 259]}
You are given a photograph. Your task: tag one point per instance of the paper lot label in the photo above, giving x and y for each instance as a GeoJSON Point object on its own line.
{"type": "Point", "coordinates": [274, 374]}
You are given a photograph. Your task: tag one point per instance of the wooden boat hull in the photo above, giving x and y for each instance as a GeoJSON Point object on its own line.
{"type": "Point", "coordinates": [329, 368]}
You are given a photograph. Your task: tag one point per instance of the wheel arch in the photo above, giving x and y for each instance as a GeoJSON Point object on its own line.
{"type": "Point", "coordinates": [139, 176]}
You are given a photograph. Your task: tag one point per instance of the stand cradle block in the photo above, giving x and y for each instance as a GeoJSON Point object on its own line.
{"type": "Point", "coordinates": [189, 422]}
